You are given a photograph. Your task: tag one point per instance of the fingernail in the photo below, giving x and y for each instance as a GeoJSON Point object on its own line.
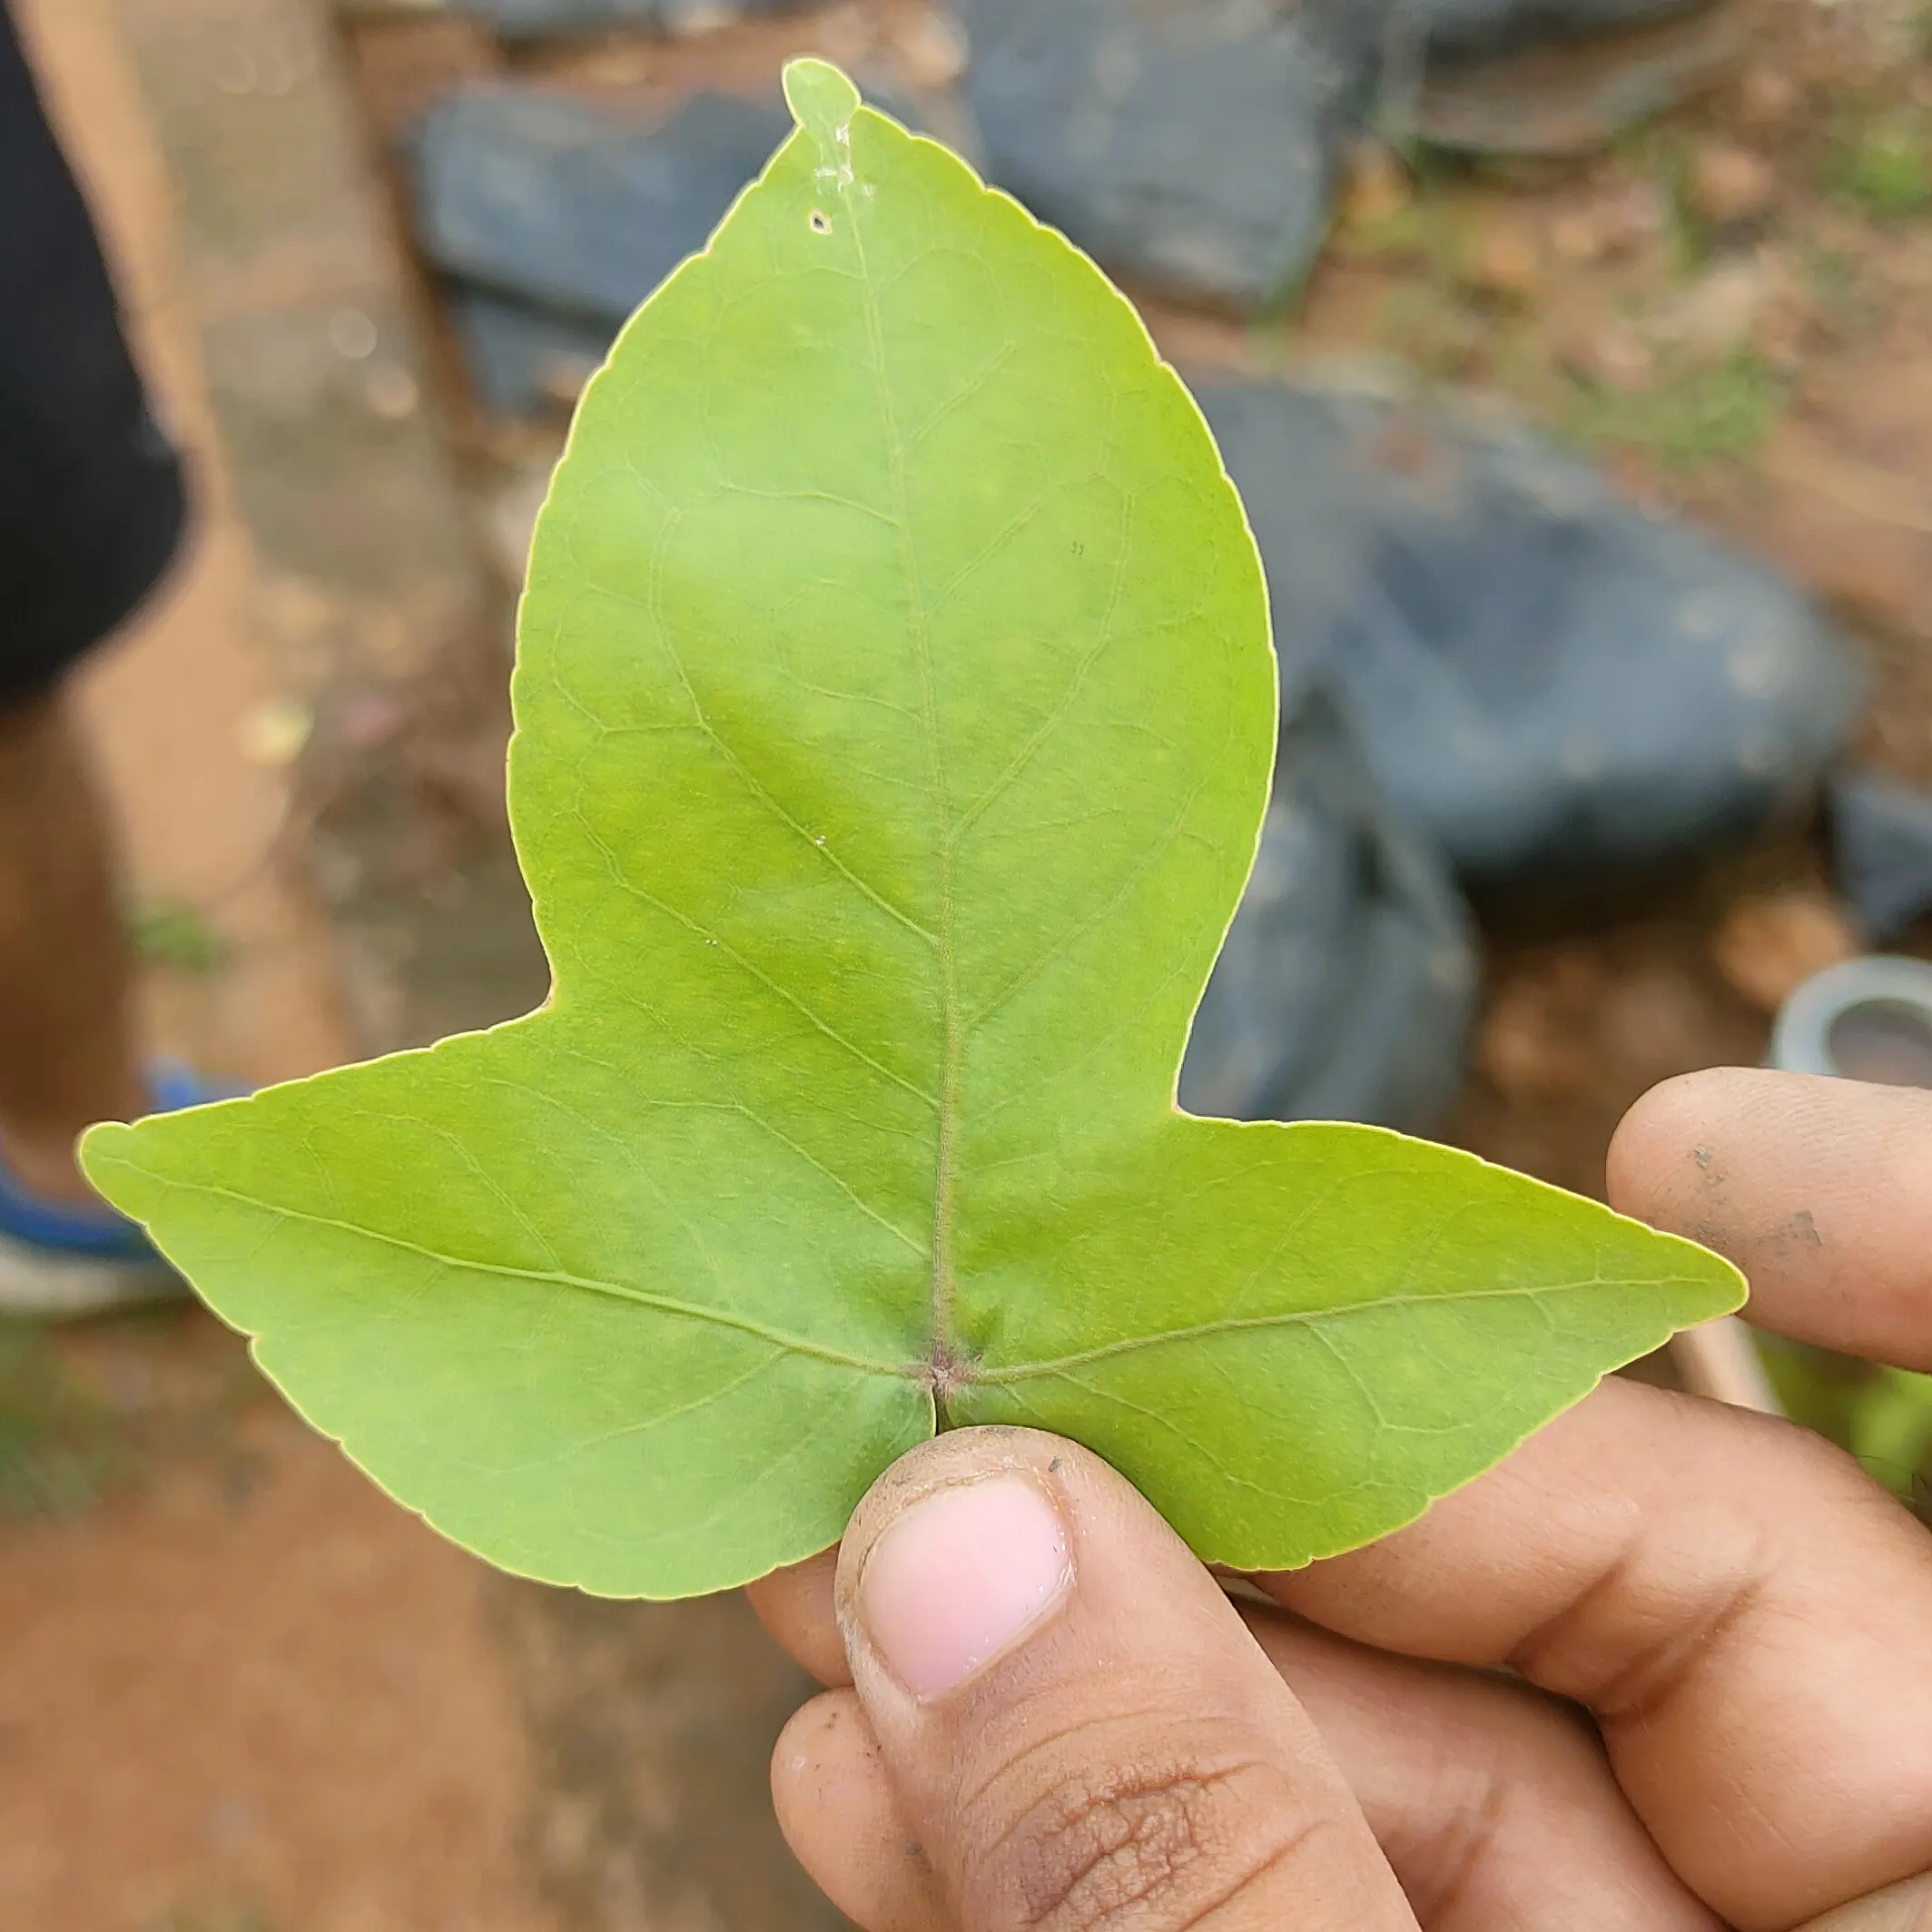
{"type": "Point", "coordinates": [960, 1578]}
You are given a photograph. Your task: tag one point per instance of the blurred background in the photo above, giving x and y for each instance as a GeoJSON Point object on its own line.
{"type": "Point", "coordinates": [1574, 359]}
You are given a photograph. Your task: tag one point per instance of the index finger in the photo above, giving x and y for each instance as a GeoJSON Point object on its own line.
{"type": "Point", "coordinates": [1743, 1610]}
{"type": "Point", "coordinates": [1819, 1189]}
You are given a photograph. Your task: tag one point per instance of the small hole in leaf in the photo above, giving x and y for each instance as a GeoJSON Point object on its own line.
{"type": "Point", "coordinates": [820, 222]}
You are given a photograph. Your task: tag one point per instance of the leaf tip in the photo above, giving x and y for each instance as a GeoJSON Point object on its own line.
{"type": "Point", "coordinates": [103, 1141]}
{"type": "Point", "coordinates": [102, 1152]}
{"type": "Point", "coordinates": [822, 101]}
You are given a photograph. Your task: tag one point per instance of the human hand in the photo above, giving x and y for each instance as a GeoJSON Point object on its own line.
{"type": "Point", "coordinates": [1716, 1632]}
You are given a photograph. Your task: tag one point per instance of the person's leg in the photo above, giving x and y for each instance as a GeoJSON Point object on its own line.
{"type": "Point", "coordinates": [90, 513]}
{"type": "Point", "coordinates": [91, 509]}
{"type": "Point", "coordinates": [67, 1055]}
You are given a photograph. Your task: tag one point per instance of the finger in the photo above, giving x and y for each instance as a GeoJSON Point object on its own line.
{"type": "Point", "coordinates": [1819, 1189]}
{"type": "Point", "coordinates": [1080, 1730]}
{"type": "Point", "coordinates": [839, 1813]}
{"type": "Point", "coordinates": [1743, 1609]}
{"type": "Point", "coordinates": [795, 1606]}
{"type": "Point", "coordinates": [1900, 1908]}
{"type": "Point", "coordinates": [1493, 1803]}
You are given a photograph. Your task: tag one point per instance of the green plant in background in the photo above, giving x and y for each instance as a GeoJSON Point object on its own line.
{"type": "Point", "coordinates": [60, 1445]}
{"type": "Point", "coordinates": [1832, 278]}
{"type": "Point", "coordinates": [895, 712]}
{"type": "Point", "coordinates": [1665, 156]}
{"type": "Point", "coordinates": [1691, 416]}
{"type": "Point", "coordinates": [1430, 328]}
{"type": "Point", "coordinates": [166, 932]}
{"type": "Point", "coordinates": [1885, 164]}
{"type": "Point", "coordinates": [1883, 1416]}
{"type": "Point", "coordinates": [1891, 1428]}
{"type": "Point", "coordinates": [1669, 161]}
{"type": "Point", "coordinates": [240, 1919]}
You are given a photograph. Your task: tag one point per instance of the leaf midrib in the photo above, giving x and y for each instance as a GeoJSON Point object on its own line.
{"type": "Point", "coordinates": [941, 1367]}
{"type": "Point", "coordinates": [963, 1374]}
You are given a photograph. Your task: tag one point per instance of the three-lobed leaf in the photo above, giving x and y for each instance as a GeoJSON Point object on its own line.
{"type": "Point", "coordinates": [894, 715]}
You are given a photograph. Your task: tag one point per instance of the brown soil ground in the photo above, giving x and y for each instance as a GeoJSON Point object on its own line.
{"type": "Point", "coordinates": [239, 1690]}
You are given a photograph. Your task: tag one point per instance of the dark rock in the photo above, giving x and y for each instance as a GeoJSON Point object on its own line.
{"type": "Point", "coordinates": [1486, 27]}
{"type": "Point", "coordinates": [1557, 686]}
{"type": "Point", "coordinates": [514, 189]}
{"type": "Point", "coordinates": [1882, 843]}
{"type": "Point", "coordinates": [525, 361]}
{"type": "Point", "coordinates": [1558, 95]}
{"type": "Point", "coordinates": [1346, 988]}
{"type": "Point", "coordinates": [559, 204]}
{"type": "Point", "coordinates": [531, 19]}
{"type": "Point", "coordinates": [1191, 144]}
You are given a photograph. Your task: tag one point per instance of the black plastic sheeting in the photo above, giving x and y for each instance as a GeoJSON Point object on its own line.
{"type": "Point", "coordinates": [1189, 147]}
{"type": "Point", "coordinates": [531, 19]}
{"type": "Point", "coordinates": [563, 205]}
{"type": "Point", "coordinates": [1347, 985]}
{"type": "Point", "coordinates": [1882, 842]}
{"type": "Point", "coordinates": [1484, 27]}
{"type": "Point", "coordinates": [1555, 684]}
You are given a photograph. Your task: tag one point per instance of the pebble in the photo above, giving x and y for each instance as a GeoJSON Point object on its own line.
{"type": "Point", "coordinates": [1770, 944]}
{"type": "Point", "coordinates": [1506, 263]}
{"type": "Point", "coordinates": [1768, 100]}
{"type": "Point", "coordinates": [1730, 186]}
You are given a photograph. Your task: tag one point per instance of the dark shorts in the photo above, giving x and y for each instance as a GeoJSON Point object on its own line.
{"type": "Point", "coordinates": [91, 503]}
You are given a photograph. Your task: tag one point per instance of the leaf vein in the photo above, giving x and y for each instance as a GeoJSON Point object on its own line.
{"type": "Point", "coordinates": [1300, 1318]}
{"type": "Point", "coordinates": [622, 1291]}
{"type": "Point", "coordinates": [626, 883]}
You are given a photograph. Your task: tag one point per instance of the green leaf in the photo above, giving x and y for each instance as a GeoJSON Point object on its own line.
{"type": "Point", "coordinates": [895, 710]}
{"type": "Point", "coordinates": [1891, 1427]}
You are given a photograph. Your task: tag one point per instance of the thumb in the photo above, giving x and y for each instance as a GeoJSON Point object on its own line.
{"type": "Point", "coordinates": [1080, 1730]}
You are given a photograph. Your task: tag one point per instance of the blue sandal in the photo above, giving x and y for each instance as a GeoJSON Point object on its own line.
{"type": "Point", "coordinates": [63, 1259]}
